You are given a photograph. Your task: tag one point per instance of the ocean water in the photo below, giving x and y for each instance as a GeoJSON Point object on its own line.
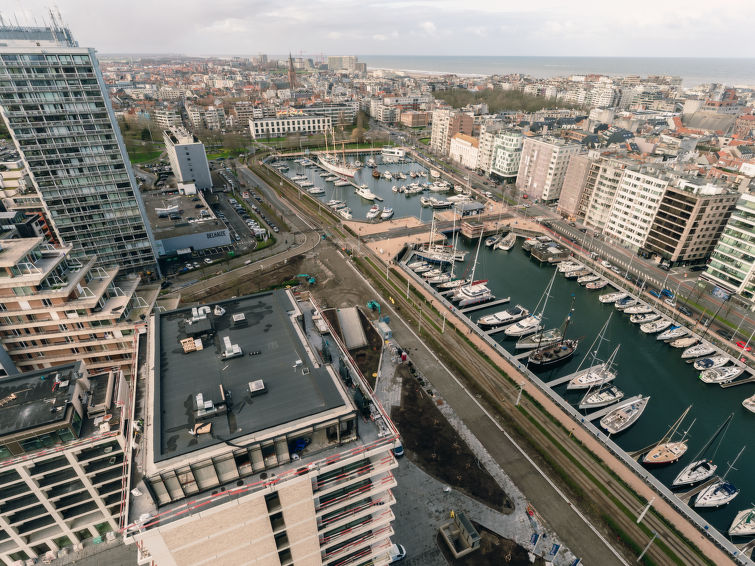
{"type": "Point", "coordinates": [694, 71]}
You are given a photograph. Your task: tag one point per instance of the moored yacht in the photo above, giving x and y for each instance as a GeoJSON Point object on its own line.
{"type": "Point", "coordinates": [526, 326]}
{"type": "Point", "coordinates": [595, 285]}
{"type": "Point", "coordinates": [698, 350]}
{"type": "Point", "coordinates": [672, 333]}
{"type": "Point", "coordinates": [373, 212]}
{"type": "Point", "coordinates": [655, 326]}
{"type": "Point", "coordinates": [625, 303]}
{"type": "Point", "coordinates": [668, 450]}
{"type": "Point", "coordinates": [644, 317]}
{"type": "Point", "coordinates": [601, 397]}
{"type": "Point", "coordinates": [612, 297]}
{"type": "Point", "coordinates": [472, 294]}
{"type": "Point", "coordinates": [743, 524]}
{"type": "Point", "coordinates": [592, 376]}
{"type": "Point", "coordinates": [710, 363]}
{"type": "Point", "coordinates": [700, 469]}
{"type": "Point", "coordinates": [721, 492]}
{"type": "Point", "coordinates": [749, 404]}
{"type": "Point", "coordinates": [624, 415]}
{"type": "Point", "coordinates": [365, 193]}
{"type": "Point", "coordinates": [641, 308]}
{"type": "Point", "coordinates": [506, 243]}
{"type": "Point", "coordinates": [502, 318]}
{"type": "Point", "coordinates": [719, 375]}
{"type": "Point", "coordinates": [387, 213]}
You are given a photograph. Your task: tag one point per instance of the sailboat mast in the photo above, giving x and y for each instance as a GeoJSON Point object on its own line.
{"type": "Point", "coordinates": [731, 466]}
{"type": "Point", "coordinates": [474, 265]}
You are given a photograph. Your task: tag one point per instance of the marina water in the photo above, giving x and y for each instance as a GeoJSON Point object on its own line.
{"type": "Point", "coordinates": [645, 366]}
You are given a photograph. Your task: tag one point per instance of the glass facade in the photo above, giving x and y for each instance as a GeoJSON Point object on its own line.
{"type": "Point", "coordinates": [55, 105]}
{"type": "Point", "coordinates": [733, 260]}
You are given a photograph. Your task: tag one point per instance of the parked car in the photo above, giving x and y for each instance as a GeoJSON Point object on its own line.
{"type": "Point", "coordinates": [396, 553]}
{"type": "Point", "coordinates": [698, 267]}
{"type": "Point", "coordinates": [398, 450]}
{"type": "Point", "coordinates": [605, 263]}
{"type": "Point", "coordinates": [725, 334]}
{"type": "Point", "coordinates": [654, 292]}
{"type": "Point", "coordinates": [667, 293]}
{"type": "Point", "coordinates": [207, 260]}
{"type": "Point", "coordinates": [684, 310]}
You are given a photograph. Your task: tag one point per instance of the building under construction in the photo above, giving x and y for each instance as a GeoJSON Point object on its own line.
{"type": "Point", "coordinates": [255, 450]}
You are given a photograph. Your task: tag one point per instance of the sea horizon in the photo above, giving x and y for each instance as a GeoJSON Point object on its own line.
{"type": "Point", "coordinates": [692, 70]}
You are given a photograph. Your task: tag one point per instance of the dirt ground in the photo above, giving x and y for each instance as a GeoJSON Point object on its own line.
{"type": "Point", "coordinates": [433, 444]}
{"type": "Point", "coordinates": [494, 551]}
{"type": "Point", "coordinates": [367, 357]}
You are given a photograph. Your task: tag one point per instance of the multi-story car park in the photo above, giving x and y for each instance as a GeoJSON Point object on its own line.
{"type": "Point", "coordinates": [278, 458]}
{"type": "Point", "coordinates": [63, 447]}
{"type": "Point", "coordinates": [56, 309]}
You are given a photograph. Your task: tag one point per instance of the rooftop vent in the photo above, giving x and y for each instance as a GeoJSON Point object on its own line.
{"type": "Point", "coordinates": [257, 387]}
{"type": "Point", "coordinates": [231, 350]}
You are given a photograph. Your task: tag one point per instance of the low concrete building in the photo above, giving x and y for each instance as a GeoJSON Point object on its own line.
{"type": "Point", "coordinates": [184, 222]}
{"type": "Point", "coordinates": [286, 124]}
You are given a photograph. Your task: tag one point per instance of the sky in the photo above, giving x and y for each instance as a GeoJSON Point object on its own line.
{"type": "Point", "coordinates": [638, 28]}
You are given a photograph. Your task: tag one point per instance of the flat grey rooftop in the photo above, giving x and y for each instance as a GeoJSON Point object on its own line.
{"type": "Point", "coordinates": [34, 399]}
{"type": "Point", "coordinates": [295, 388]}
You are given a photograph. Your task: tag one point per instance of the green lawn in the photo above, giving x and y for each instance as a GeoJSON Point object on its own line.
{"type": "Point", "coordinates": [425, 141]}
{"type": "Point", "coordinates": [143, 155]}
{"type": "Point", "coordinates": [224, 153]}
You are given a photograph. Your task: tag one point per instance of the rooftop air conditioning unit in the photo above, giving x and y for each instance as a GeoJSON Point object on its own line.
{"type": "Point", "coordinates": [257, 387]}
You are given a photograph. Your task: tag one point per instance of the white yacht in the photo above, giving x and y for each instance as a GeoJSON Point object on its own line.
{"type": "Point", "coordinates": [365, 193]}
{"type": "Point", "coordinates": [720, 375]}
{"type": "Point", "coordinates": [589, 278]}
{"type": "Point", "coordinates": [721, 492]}
{"type": "Point", "coordinates": [702, 467]}
{"type": "Point", "coordinates": [698, 351]}
{"type": "Point", "coordinates": [316, 191]}
{"type": "Point", "coordinates": [672, 333]}
{"type": "Point", "coordinates": [475, 292]}
{"type": "Point", "coordinates": [569, 265]}
{"type": "Point", "coordinates": [710, 363]}
{"type": "Point", "coordinates": [655, 326]}
{"type": "Point", "coordinates": [502, 318]}
{"type": "Point", "coordinates": [345, 213]}
{"type": "Point", "coordinates": [644, 317]}
{"type": "Point", "coordinates": [506, 243]}
{"type": "Point", "coordinates": [539, 340]}
{"type": "Point", "coordinates": [612, 297]}
{"type": "Point", "coordinates": [601, 397]}
{"type": "Point", "coordinates": [525, 326]}
{"type": "Point", "coordinates": [387, 213]}
{"type": "Point", "coordinates": [625, 303]}
{"type": "Point", "coordinates": [595, 285]}
{"type": "Point", "coordinates": [592, 376]}
{"type": "Point", "coordinates": [743, 524]}
{"type": "Point", "coordinates": [373, 212]}
{"type": "Point", "coordinates": [749, 404]}
{"type": "Point", "coordinates": [624, 415]}
{"type": "Point", "coordinates": [641, 308]}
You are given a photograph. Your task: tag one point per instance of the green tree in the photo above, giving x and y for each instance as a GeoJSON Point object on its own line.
{"type": "Point", "coordinates": [146, 135]}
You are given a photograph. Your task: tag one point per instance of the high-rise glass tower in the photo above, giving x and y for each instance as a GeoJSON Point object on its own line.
{"type": "Point", "coordinates": [54, 101]}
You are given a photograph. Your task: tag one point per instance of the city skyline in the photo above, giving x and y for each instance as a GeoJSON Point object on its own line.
{"type": "Point", "coordinates": [416, 27]}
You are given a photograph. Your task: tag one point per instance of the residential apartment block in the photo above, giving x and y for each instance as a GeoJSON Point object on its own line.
{"type": "Point", "coordinates": [56, 107]}
{"type": "Point", "coordinates": [446, 123]}
{"type": "Point", "coordinates": [57, 309]}
{"type": "Point", "coordinates": [464, 150]}
{"type": "Point", "coordinates": [278, 459]}
{"type": "Point", "coordinates": [187, 157]}
{"type": "Point", "coordinates": [507, 154]}
{"type": "Point", "coordinates": [571, 203]}
{"type": "Point", "coordinates": [732, 264]}
{"type": "Point", "coordinates": [289, 124]}
{"type": "Point", "coordinates": [689, 222]}
{"type": "Point", "coordinates": [601, 185]}
{"type": "Point", "coordinates": [638, 197]}
{"type": "Point", "coordinates": [542, 166]}
{"type": "Point", "coordinates": [167, 118]}
{"type": "Point", "coordinates": [63, 447]}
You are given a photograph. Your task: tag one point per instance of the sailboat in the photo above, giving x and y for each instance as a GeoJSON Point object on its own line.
{"type": "Point", "coordinates": [474, 292]}
{"type": "Point", "coordinates": [743, 524]}
{"type": "Point", "coordinates": [438, 253]}
{"type": "Point", "coordinates": [531, 323]}
{"type": "Point", "coordinates": [332, 162]}
{"type": "Point", "coordinates": [720, 375]}
{"type": "Point", "coordinates": [698, 351]}
{"type": "Point", "coordinates": [668, 451]}
{"type": "Point", "coordinates": [749, 404]}
{"type": "Point", "coordinates": [450, 282]}
{"type": "Point", "coordinates": [721, 492]}
{"type": "Point", "coordinates": [672, 333]}
{"type": "Point", "coordinates": [612, 297]}
{"type": "Point", "coordinates": [710, 363]}
{"type": "Point", "coordinates": [547, 337]}
{"type": "Point", "coordinates": [604, 395]}
{"type": "Point", "coordinates": [563, 350]}
{"type": "Point", "coordinates": [624, 415]}
{"type": "Point", "coordinates": [595, 375]}
{"type": "Point", "coordinates": [701, 469]}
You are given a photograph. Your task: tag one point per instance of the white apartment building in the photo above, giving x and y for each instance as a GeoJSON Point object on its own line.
{"type": "Point", "coordinates": [464, 150]}
{"type": "Point", "coordinates": [305, 478]}
{"type": "Point", "coordinates": [601, 186]}
{"type": "Point", "coordinates": [488, 132]}
{"type": "Point", "coordinates": [507, 154]}
{"type": "Point", "coordinates": [167, 118]}
{"type": "Point", "coordinates": [542, 167]}
{"type": "Point", "coordinates": [637, 200]}
{"type": "Point", "coordinates": [63, 435]}
{"type": "Point", "coordinates": [187, 157]}
{"type": "Point", "coordinates": [288, 124]}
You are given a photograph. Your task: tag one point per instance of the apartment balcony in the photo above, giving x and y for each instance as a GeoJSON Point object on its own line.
{"type": "Point", "coordinates": [23, 502]}
{"type": "Point", "coordinates": [372, 489]}
{"type": "Point", "coordinates": [368, 469]}
{"type": "Point", "coordinates": [65, 347]}
{"type": "Point", "coordinates": [357, 527]}
{"type": "Point", "coordinates": [355, 511]}
{"type": "Point", "coordinates": [358, 549]}
{"type": "Point", "coordinates": [86, 356]}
